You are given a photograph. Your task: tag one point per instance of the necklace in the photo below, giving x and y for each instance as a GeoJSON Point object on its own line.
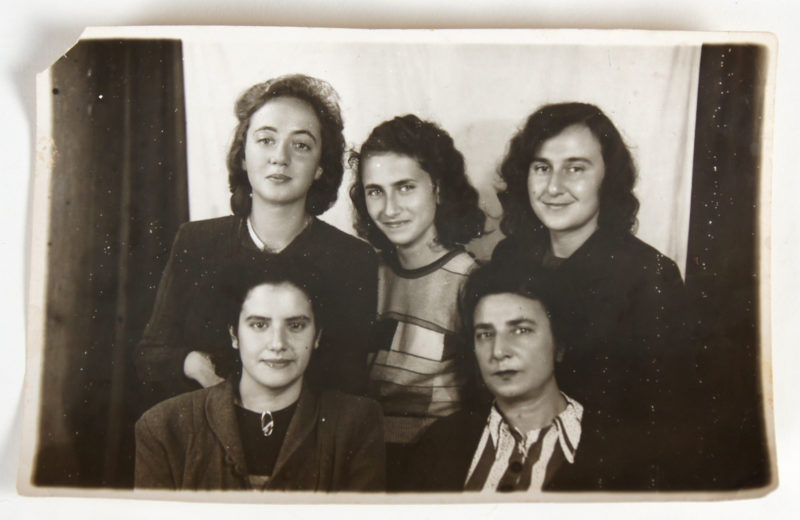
{"type": "Point", "coordinates": [267, 423]}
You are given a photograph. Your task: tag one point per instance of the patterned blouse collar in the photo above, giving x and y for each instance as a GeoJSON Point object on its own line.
{"type": "Point", "coordinates": [567, 424]}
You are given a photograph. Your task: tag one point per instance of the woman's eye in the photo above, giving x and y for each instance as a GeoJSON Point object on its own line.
{"type": "Point", "coordinates": [297, 326]}
{"type": "Point", "coordinates": [372, 192]}
{"type": "Point", "coordinates": [540, 168]}
{"type": "Point", "coordinates": [406, 188]}
{"type": "Point", "coordinates": [576, 169]}
{"type": "Point", "coordinates": [481, 335]}
{"type": "Point", "coordinates": [259, 325]}
{"type": "Point", "coordinates": [265, 140]}
{"type": "Point", "coordinates": [302, 147]}
{"type": "Point", "coordinates": [522, 330]}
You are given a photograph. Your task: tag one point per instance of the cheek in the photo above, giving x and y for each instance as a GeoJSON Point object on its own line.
{"type": "Point", "coordinates": [374, 207]}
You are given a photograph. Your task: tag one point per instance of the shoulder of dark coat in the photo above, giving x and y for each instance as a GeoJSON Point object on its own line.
{"type": "Point", "coordinates": [642, 254]}
{"type": "Point", "coordinates": [336, 401]}
{"type": "Point", "coordinates": [345, 242]}
{"type": "Point", "coordinates": [213, 227]}
{"type": "Point", "coordinates": [177, 410]}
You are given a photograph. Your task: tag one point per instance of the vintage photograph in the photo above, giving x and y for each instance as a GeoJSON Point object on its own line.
{"type": "Point", "coordinates": [501, 265]}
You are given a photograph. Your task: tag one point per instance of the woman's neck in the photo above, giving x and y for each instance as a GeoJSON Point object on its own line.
{"type": "Point", "coordinates": [536, 413]}
{"type": "Point", "coordinates": [258, 398]}
{"type": "Point", "coordinates": [564, 243]}
{"type": "Point", "coordinates": [278, 226]}
{"type": "Point", "coordinates": [422, 252]}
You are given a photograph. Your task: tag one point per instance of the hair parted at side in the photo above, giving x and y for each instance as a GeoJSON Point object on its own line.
{"type": "Point", "coordinates": [325, 102]}
{"type": "Point", "coordinates": [458, 218]}
{"type": "Point", "coordinates": [618, 204]}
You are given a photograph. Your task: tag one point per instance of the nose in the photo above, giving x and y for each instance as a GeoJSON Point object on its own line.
{"type": "Point", "coordinates": [277, 340]}
{"type": "Point", "coordinates": [555, 183]}
{"type": "Point", "coordinates": [391, 207]}
{"type": "Point", "coordinates": [279, 153]}
{"type": "Point", "coordinates": [499, 348]}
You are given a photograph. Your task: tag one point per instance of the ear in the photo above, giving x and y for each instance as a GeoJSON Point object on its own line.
{"type": "Point", "coordinates": [318, 173]}
{"type": "Point", "coordinates": [559, 353]}
{"type": "Point", "coordinates": [234, 339]}
{"type": "Point", "coordinates": [436, 193]}
{"type": "Point", "coordinates": [316, 339]}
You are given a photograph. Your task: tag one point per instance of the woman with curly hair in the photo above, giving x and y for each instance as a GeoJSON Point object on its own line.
{"type": "Point", "coordinates": [284, 168]}
{"type": "Point", "coordinates": [414, 203]}
{"type": "Point", "coordinates": [569, 208]}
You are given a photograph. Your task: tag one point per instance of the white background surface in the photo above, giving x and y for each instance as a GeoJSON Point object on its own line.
{"type": "Point", "coordinates": [34, 33]}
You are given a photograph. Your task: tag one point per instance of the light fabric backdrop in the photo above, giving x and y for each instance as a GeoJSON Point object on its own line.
{"type": "Point", "coordinates": [480, 93]}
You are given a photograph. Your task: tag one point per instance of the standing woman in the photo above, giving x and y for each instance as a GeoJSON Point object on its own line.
{"type": "Point", "coordinates": [284, 168]}
{"type": "Point", "coordinates": [414, 203]}
{"type": "Point", "coordinates": [569, 207]}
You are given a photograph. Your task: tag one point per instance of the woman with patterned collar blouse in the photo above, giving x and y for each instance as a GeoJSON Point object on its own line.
{"type": "Point", "coordinates": [531, 437]}
{"type": "Point", "coordinates": [268, 427]}
{"type": "Point", "coordinates": [569, 208]}
{"type": "Point", "coordinates": [285, 167]}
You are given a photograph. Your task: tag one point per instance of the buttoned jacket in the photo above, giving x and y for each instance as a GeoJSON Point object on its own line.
{"type": "Point", "coordinates": [192, 441]}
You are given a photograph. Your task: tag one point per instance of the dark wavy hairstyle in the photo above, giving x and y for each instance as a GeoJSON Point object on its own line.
{"type": "Point", "coordinates": [458, 218]}
{"type": "Point", "coordinates": [618, 204]}
{"type": "Point", "coordinates": [325, 102]}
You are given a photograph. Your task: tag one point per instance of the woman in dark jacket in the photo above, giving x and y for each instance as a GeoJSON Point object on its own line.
{"type": "Point", "coordinates": [569, 208]}
{"type": "Point", "coordinates": [268, 428]}
{"type": "Point", "coordinates": [285, 167]}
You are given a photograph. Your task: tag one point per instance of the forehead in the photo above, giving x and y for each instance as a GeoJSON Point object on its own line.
{"type": "Point", "coordinates": [574, 141]}
{"type": "Point", "coordinates": [497, 309]}
{"type": "Point", "coordinates": [286, 114]}
{"type": "Point", "coordinates": [276, 301]}
{"type": "Point", "coordinates": [388, 168]}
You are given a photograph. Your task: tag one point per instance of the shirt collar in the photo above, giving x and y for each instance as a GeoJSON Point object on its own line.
{"type": "Point", "coordinates": [567, 425]}
{"type": "Point", "coordinates": [257, 241]}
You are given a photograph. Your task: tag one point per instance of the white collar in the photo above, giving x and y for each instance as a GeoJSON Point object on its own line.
{"type": "Point", "coordinates": [567, 424]}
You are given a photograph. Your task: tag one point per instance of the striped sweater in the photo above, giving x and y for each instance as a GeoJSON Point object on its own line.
{"type": "Point", "coordinates": [417, 372]}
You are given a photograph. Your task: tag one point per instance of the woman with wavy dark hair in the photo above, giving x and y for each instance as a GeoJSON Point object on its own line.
{"type": "Point", "coordinates": [569, 207]}
{"type": "Point", "coordinates": [413, 202]}
{"type": "Point", "coordinates": [284, 169]}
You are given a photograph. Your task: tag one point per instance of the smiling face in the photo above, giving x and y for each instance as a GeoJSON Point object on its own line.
{"type": "Point", "coordinates": [401, 199]}
{"type": "Point", "coordinates": [282, 151]}
{"type": "Point", "coordinates": [515, 348]}
{"type": "Point", "coordinates": [275, 337]}
{"type": "Point", "coordinates": [564, 182]}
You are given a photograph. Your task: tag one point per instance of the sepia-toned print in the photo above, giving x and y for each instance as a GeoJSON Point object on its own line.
{"type": "Point", "coordinates": [291, 265]}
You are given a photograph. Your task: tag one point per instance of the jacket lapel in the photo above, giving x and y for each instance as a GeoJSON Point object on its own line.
{"type": "Point", "coordinates": [222, 419]}
{"type": "Point", "coordinates": [302, 424]}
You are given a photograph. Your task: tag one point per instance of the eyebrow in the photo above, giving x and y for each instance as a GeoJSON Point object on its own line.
{"type": "Point", "coordinates": [293, 132]}
{"type": "Point", "coordinates": [520, 321]}
{"type": "Point", "coordinates": [395, 184]}
{"type": "Point", "coordinates": [568, 159]}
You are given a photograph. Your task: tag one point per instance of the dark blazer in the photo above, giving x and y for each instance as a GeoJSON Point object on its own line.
{"type": "Point", "coordinates": [627, 357]}
{"type": "Point", "coordinates": [187, 313]}
{"type": "Point", "coordinates": [192, 441]}
{"type": "Point", "coordinates": [442, 458]}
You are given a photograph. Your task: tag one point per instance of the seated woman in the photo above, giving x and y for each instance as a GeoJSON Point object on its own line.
{"type": "Point", "coordinates": [285, 166]}
{"type": "Point", "coordinates": [268, 428]}
{"type": "Point", "coordinates": [531, 437]}
{"type": "Point", "coordinates": [569, 208]}
{"type": "Point", "coordinates": [414, 203]}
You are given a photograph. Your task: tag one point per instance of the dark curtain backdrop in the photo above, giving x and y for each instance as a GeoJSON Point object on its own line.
{"type": "Point", "coordinates": [118, 194]}
{"type": "Point", "coordinates": [722, 271]}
